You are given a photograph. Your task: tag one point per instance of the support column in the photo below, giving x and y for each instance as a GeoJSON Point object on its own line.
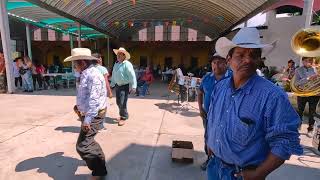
{"type": "Point", "coordinates": [307, 12]}
{"type": "Point", "coordinates": [5, 38]}
{"type": "Point", "coordinates": [79, 37]}
{"type": "Point", "coordinates": [108, 52]}
{"type": "Point", "coordinates": [71, 47]}
{"type": "Point", "coordinates": [28, 41]}
{"type": "Point", "coordinates": [71, 41]}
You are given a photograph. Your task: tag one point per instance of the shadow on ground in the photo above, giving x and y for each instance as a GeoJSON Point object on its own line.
{"type": "Point", "coordinates": [55, 165]}
{"type": "Point", "coordinates": [110, 120]}
{"type": "Point", "coordinates": [135, 162]}
{"type": "Point", "coordinates": [140, 162]}
{"type": "Point", "coordinates": [188, 111]}
{"type": "Point", "coordinates": [69, 129]}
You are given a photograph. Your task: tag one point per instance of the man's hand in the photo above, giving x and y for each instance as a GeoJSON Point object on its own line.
{"type": "Point", "coordinates": [203, 114]}
{"type": "Point", "coordinates": [210, 153]}
{"type": "Point", "coordinates": [110, 94]}
{"type": "Point", "coordinates": [250, 175]}
{"type": "Point", "coordinates": [132, 91]}
{"type": "Point", "coordinates": [85, 127]}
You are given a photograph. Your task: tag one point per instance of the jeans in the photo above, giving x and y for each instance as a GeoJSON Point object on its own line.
{"type": "Point", "coordinates": [217, 170]}
{"type": "Point", "coordinates": [18, 80]}
{"type": "Point", "coordinates": [89, 149]}
{"type": "Point", "coordinates": [122, 99]}
{"type": "Point", "coordinates": [144, 88]}
{"type": "Point", "coordinates": [37, 78]}
{"type": "Point", "coordinates": [313, 101]}
{"type": "Point", "coordinates": [27, 81]}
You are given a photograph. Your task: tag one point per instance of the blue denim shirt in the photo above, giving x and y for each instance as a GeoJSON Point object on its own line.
{"type": "Point", "coordinates": [246, 124]}
{"type": "Point", "coordinates": [207, 84]}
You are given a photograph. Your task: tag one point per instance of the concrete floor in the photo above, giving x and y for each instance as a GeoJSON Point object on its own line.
{"type": "Point", "coordinates": [38, 133]}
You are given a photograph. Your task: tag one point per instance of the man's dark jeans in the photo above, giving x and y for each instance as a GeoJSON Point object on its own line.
{"type": "Point", "coordinates": [313, 101]}
{"type": "Point", "coordinates": [122, 93]}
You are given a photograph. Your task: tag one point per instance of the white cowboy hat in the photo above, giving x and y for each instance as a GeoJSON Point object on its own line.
{"type": "Point", "coordinates": [245, 38]}
{"type": "Point", "coordinates": [124, 51]}
{"type": "Point", "coordinates": [80, 54]}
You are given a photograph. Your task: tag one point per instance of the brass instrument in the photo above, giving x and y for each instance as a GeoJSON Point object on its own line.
{"type": "Point", "coordinates": [173, 85]}
{"type": "Point", "coordinates": [306, 43]}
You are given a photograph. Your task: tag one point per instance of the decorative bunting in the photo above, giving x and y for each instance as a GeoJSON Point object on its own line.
{"type": "Point", "coordinates": [123, 24]}
{"type": "Point", "coordinates": [133, 2]}
{"type": "Point", "coordinates": [145, 24]}
{"type": "Point", "coordinates": [109, 2]}
{"type": "Point", "coordinates": [88, 2]}
{"type": "Point", "coordinates": [117, 23]}
{"type": "Point", "coordinates": [174, 23]}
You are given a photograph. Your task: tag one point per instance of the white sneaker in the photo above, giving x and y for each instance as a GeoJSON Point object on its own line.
{"type": "Point", "coordinates": [310, 134]}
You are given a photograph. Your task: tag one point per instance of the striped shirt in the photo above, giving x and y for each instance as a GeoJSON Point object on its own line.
{"type": "Point", "coordinates": [246, 124]}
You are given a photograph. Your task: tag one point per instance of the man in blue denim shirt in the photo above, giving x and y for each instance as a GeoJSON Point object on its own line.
{"type": "Point", "coordinates": [219, 72]}
{"type": "Point", "coordinates": [252, 127]}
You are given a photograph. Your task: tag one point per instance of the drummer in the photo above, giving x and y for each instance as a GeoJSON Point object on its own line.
{"type": "Point", "coordinates": [219, 72]}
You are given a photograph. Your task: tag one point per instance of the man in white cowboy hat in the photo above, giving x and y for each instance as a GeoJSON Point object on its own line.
{"type": "Point", "coordinates": [252, 127]}
{"type": "Point", "coordinates": [124, 80]}
{"type": "Point", "coordinates": [91, 104]}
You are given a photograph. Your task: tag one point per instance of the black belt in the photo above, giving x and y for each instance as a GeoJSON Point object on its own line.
{"type": "Point", "coordinates": [122, 85]}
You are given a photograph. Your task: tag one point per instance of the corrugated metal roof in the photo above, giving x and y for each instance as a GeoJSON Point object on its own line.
{"type": "Point", "coordinates": [122, 18]}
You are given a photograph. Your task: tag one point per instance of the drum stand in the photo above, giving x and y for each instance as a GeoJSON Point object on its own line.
{"type": "Point", "coordinates": [186, 105]}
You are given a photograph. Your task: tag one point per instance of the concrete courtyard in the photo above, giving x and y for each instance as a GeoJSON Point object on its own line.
{"type": "Point", "coordinates": [38, 133]}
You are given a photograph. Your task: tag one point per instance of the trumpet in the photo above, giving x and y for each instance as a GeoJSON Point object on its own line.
{"type": "Point", "coordinates": [306, 43]}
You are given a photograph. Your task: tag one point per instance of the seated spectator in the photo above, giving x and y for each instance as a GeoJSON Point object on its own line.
{"type": "Point", "coordinates": [144, 81]}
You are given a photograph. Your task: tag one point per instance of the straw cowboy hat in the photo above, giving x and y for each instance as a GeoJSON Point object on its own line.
{"type": "Point", "coordinates": [80, 54]}
{"type": "Point", "coordinates": [245, 38]}
{"type": "Point", "coordinates": [122, 50]}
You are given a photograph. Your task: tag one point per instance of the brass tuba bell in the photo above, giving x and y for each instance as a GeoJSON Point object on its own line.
{"type": "Point", "coordinates": [306, 42]}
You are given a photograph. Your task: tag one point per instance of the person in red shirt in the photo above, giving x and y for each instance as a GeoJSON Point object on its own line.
{"type": "Point", "coordinates": [144, 82]}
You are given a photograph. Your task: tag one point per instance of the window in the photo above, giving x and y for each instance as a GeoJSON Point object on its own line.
{"type": "Point", "coordinates": [65, 37]}
{"type": "Point", "coordinates": [51, 35]}
{"type": "Point", "coordinates": [143, 35]}
{"type": "Point", "coordinates": [37, 35]}
{"type": "Point", "coordinates": [159, 33]}
{"type": "Point", "coordinates": [175, 33]}
{"type": "Point", "coordinates": [192, 35]}
{"type": "Point", "coordinates": [207, 38]}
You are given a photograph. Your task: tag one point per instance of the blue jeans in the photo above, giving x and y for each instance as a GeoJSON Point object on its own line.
{"type": "Point", "coordinates": [27, 81]}
{"type": "Point", "coordinates": [217, 170]}
{"type": "Point", "coordinates": [122, 99]}
{"type": "Point", "coordinates": [144, 89]}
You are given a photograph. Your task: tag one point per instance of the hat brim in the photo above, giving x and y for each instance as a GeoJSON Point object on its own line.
{"type": "Point", "coordinates": [126, 53]}
{"type": "Point", "coordinates": [224, 45]}
{"type": "Point", "coordinates": [77, 58]}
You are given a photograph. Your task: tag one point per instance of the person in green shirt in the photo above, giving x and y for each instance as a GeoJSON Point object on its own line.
{"type": "Point", "coordinates": [104, 72]}
{"type": "Point", "coordinates": [124, 80]}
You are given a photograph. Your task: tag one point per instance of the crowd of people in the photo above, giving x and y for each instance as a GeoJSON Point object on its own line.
{"type": "Point", "coordinates": [250, 127]}
{"type": "Point", "coordinates": [28, 74]}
